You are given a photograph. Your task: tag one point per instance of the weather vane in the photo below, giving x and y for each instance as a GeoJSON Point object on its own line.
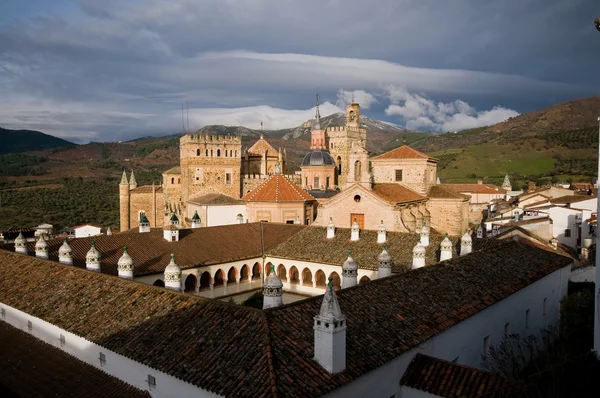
{"type": "Point", "coordinates": [597, 23]}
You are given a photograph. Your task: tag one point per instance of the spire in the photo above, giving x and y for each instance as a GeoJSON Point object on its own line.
{"type": "Point", "coordinates": [124, 179]}
{"type": "Point", "coordinates": [172, 275]}
{"type": "Point", "coordinates": [21, 244]}
{"type": "Point", "coordinates": [466, 243]}
{"type": "Point", "coordinates": [64, 253]}
{"type": "Point", "coordinates": [349, 272]}
{"type": "Point", "coordinates": [506, 182]}
{"type": "Point", "coordinates": [418, 255]}
{"type": "Point", "coordinates": [445, 249]}
{"type": "Point", "coordinates": [92, 258]}
{"type": "Point", "coordinates": [317, 125]}
{"type": "Point", "coordinates": [272, 290]}
{"type": "Point", "coordinates": [132, 180]}
{"type": "Point", "coordinates": [384, 263]}
{"type": "Point", "coordinates": [125, 265]}
{"type": "Point", "coordinates": [330, 333]}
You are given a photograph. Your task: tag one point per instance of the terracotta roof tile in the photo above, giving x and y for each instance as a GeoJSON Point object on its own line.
{"type": "Point", "coordinates": [451, 380]}
{"type": "Point", "coordinates": [30, 367]}
{"type": "Point", "coordinates": [439, 192]}
{"type": "Point", "coordinates": [396, 193]}
{"type": "Point", "coordinates": [214, 199]}
{"type": "Point", "coordinates": [473, 188]}
{"type": "Point", "coordinates": [261, 146]}
{"type": "Point", "coordinates": [196, 247]}
{"type": "Point", "coordinates": [146, 189]}
{"type": "Point", "coordinates": [571, 199]}
{"type": "Point", "coordinates": [403, 152]}
{"type": "Point", "coordinates": [277, 188]}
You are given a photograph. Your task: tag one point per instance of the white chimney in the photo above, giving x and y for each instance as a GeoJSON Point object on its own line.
{"type": "Point", "coordinates": [171, 233]}
{"type": "Point", "coordinates": [272, 290]}
{"type": "Point", "coordinates": [466, 243]}
{"type": "Point", "coordinates": [330, 333]}
{"type": "Point", "coordinates": [172, 275]}
{"type": "Point", "coordinates": [445, 249]}
{"type": "Point", "coordinates": [65, 253]}
{"type": "Point", "coordinates": [21, 244]}
{"type": "Point", "coordinates": [354, 234]}
{"type": "Point", "coordinates": [125, 265]}
{"type": "Point", "coordinates": [384, 263]}
{"type": "Point", "coordinates": [144, 224]}
{"type": "Point", "coordinates": [92, 259]}
{"type": "Point", "coordinates": [196, 222]}
{"type": "Point", "coordinates": [418, 255]}
{"type": "Point", "coordinates": [41, 248]}
{"type": "Point", "coordinates": [330, 229]}
{"type": "Point", "coordinates": [381, 233]}
{"type": "Point", "coordinates": [425, 231]}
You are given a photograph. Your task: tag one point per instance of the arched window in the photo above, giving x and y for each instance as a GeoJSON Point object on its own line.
{"type": "Point", "coordinates": [219, 276]}
{"type": "Point", "coordinates": [236, 153]}
{"type": "Point", "coordinates": [306, 277]}
{"type": "Point", "coordinates": [337, 282]}
{"type": "Point", "coordinates": [232, 275]}
{"type": "Point", "coordinates": [190, 284]}
{"type": "Point", "coordinates": [317, 186]}
{"type": "Point", "coordinates": [281, 272]}
{"type": "Point", "coordinates": [339, 162]}
{"type": "Point", "coordinates": [320, 279]}
{"type": "Point", "coordinates": [231, 153]}
{"type": "Point", "coordinates": [244, 273]}
{"type": "Point", "coordinates": [205, 281]}
{"type": "Point", "coordinates": [225, 152]}
{"type": "Point", "coordinates": [256, 271]}
{"type": "Point", "coordinates": [218, 153]}
{"type": "Point", "coordinates": [207, 153]}
{"type": "Point", "coordinates": [211, 153]}
{"type": "Point", "coordinates": [364, 279]}
{"type": "Point", "coordinates": [293, 276]}
{"type": "Point", "coordinates": [357, 170]}
{"type": "Point", "coordinates": [173, 180]}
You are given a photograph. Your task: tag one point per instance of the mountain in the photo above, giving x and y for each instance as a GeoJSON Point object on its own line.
{"type": "Point", "coordinates": [13, 141]}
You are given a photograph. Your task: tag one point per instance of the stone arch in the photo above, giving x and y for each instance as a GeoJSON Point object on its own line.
{"type": "Point", "coordinates": [307, 277]}
{"type": "Point", "coordinates": [205, 280]}
{"type": "Point", "coordinates": [364, 280]}
{"type": "Point", "coordinates": [320, 279]}
{"type": "Point", "coordinates": [268, 268]}
{"type": "Point", "coordinates": [357, 170]}
{"type": "Point", "coordinates": [232, 275]}
{"type": "Point", "coordinates": [337, 282]}
{"type": "Point", "coordinates": [159, 283]}
{"type": "Point", "coordinates": [190, 283]}
{"type": "Point", "coordinates": [256, 271]}
{"type": "Point", "coordinates": [281, 271]}
{"type": "Point", "coordinates": [244, 273]}
{"type": "Point", "coordinates": [219, 277]}
{"type": "Point", "coordinates": [293, 276]}
{"type": "Point", "coordinates": [218, 153]}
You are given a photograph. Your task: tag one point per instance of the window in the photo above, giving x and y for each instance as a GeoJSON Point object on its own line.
{"type": "Point", "coordinates": [316, 182]}
{"type": "Point", "coordinates": [567, 233]}
{"type": "Point", "coordinates": [227, 178]}
{"type": "Point", "coordinates": [357, 198]}
{"type": "Point", "coordinates": [197, 152]}
{"type": "Point", "coordinates": [507, 328]}
{"type": "Point", "coordinates": [218, 152]}
{"type": "Point", "coordinates": [151, 382]}
{"type": "Point", "coordinates": [398, 175]}
{"type": "Point", "coordinates": [545, 305]}
{"type": "Point", "coordinates": [102, 359]}
{"type": "Point", "coordinates": [486, 346]}
{"type": "Point", "coordinates": [173, 180]}
{"type": "Point", "coordinates": [29, 326]}
{"type": "Point", "coordinates": [326, 182]}
{"type": "Point", "coordinates": [289, 221]}
{"type": "Point", "coordinates": [207, 152]}
{"type": "Point", "coordinates": [527, 319]}
{"type": "Point", "coordinates": [226, 153]}
{"type": "Point", "coordinates": [179, 181]}
{"type": "Point", "coordinates": [306, 181]}
{"type": "Point", "coordinates": [62, 340]}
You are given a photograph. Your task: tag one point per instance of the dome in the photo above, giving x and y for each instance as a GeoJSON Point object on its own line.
{"type": "Point", "coordinates": [20, 239]}
{"type": "Point", "coordinates": [350, 264]}
{"type": "Point", "coordinates": [173, 267]}
{"type": "Point", "coordinates": [317, 158]}
{"type": "Point", "coordinates": [65, 249]}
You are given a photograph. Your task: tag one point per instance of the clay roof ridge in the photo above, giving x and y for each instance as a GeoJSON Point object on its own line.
{"type": "Point", "coordinates": [256, 190]}
{"type": "Point", "coordinates": [269, 353]}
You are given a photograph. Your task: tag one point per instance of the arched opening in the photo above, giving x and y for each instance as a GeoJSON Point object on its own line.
{"type": "Point", "coordinates": [158, 283]}
{"type": "Point", "coordinates": [357, 170]}
{"type": "Point", "coordinates": [197, 152]}
{"type": "Point", "coordinates": [337, 282]}
{"type": "Point", "coordinates": [293, 277]}
{"type": "Point", "coordinates": [219, 277]}
{"type": "Point", "coordinates": [236, 153]}
{"type": "Point", "coordinates": [281, 272]}
{"type": "Point", "coordinates": [207, 152]}
{"type": "Point", "coordinates": [218, 152]}
{"type": "Point", "coordinates": [327, 182]}
{"type": "Point", "coordinates": [190, 284]}
{"type": "Point", "coordinates": [320, 279]}
{"type": "Point", "coordinates": [364, 279]}
{"type": "Point", "coordinates": [231, 153]}
{"type": "Point", "coordinates": [205, 281]}
{"type": "Point", "coordinates": [244, 273]}
{"type": "Point", "coordinates": [256, 271]}
{"type": "Point", "coordinates": [232, 275]}
{"type": "Point", "coordinates": [211, 153]}
{"type": "Point", "coordinates": [306, 277]}
{"type": "Point", "coordinates": [267, 269]}
{"type": "Point", "coordinates": [339, 165]}
{"type": "Point", "coordinates": [172, 180]}
{"type": "Point", "coordinates": [226, 155]}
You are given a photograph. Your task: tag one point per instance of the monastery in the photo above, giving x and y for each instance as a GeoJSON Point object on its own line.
{"type": "Point", "coordinates": [339, 182]}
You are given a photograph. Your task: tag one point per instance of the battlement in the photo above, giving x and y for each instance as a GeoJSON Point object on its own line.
{"type": "Point", "coordinates": [265, 176]}
{"type": "Point", "coordinates": [211, 139]}
{"type": "Point", "coordinates": [347, 128]}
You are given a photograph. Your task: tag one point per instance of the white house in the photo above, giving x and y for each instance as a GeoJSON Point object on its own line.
{"type": "Point", "coordinates": [217, 209]}
{"type": "Point", "coordinates": [84, 231]}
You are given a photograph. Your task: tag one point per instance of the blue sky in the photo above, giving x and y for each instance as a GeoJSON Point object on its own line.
{"type": "Point", "coordinates": [117, 69]}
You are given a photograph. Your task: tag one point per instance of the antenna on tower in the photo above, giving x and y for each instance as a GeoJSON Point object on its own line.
{"type": "Point", "coordinates": [353, 97]}
{"type": "Point", "coordinates": [182, 121]}
{"type": "Point", "coordinates": [187, 110]}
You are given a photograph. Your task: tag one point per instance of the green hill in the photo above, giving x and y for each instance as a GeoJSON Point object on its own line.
{"type": "Point", "coordinates": [13, 141]}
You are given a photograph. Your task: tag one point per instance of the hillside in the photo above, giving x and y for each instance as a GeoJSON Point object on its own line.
{"type": "Point", "coordinates": [13, 141]}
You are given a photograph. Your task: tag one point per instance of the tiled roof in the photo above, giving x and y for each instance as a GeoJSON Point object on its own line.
{"type": "Point", "coordinates": [277, 188]}
{"type": "Point", "coordinates": [403, 152]}
{"type": "Point", "coordinates": [311, 244]}
{"type": "Point", "coordinates": [214, 199]}
{"type": "Point", "coordinates": [196, 247]}
{"type": "Point", "coordinates": [396, 193]}
{"type": "Point", "coordinates": [261, 146]}
{"type": "Point", "coordinates": [473, 188]}
{"type": "Point", "coordinates": [571, 199]}
{"type": "Point", "coordinates": [174, 170]}
{"type": "Point", "coordinates": [30, 367]}
{"type": "Point", "coordinates": [439, 192]}
{"type": "Point", "coordinates": [451, 380]}
{"type": "Point", "coordinates": [146, 189]}
{"type": "Point", "coordinates": [239, 351]}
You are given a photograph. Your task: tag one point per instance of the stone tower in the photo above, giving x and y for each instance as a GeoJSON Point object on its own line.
{"type": "Point", "coordinates": [210, 164]}
{"type": "Point", "coordinates": [342, 139]}
{"type": "Point", "coordinates": [124, 200]}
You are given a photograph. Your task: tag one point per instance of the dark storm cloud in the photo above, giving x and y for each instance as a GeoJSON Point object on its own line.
{"type": "Point", "coordinates": [116, 66]}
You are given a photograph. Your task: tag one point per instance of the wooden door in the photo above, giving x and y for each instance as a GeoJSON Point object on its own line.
{"type": "Point", "coordinates": [360, 220]}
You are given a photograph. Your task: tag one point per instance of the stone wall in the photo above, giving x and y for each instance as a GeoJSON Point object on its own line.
{"type": "Point", "coordinates": [449, 215]}
{"type": "Point", "coordinates": [280, 212]}
{"type": "Point", "coordinates": [417, 174]}
{"type": "Point", "coordinates": [152, 204]}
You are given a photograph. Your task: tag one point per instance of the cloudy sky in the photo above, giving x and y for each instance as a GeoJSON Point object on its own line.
{"type": "Point", "coordinates": [117, 69]}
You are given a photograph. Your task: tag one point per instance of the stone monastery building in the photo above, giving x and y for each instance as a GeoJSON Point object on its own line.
{"type": "Point", "coordinates": [338, 182]}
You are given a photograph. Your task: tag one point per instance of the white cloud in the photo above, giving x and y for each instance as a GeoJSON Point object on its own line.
{"type": "Point", "coordinates": [419, 112]}
{"type": "Point", "coordinates": [363, 98]}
